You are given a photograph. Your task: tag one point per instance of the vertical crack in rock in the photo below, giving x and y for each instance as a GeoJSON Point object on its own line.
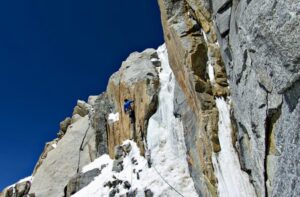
{"type": "Point", "coordinates": [271, 120]}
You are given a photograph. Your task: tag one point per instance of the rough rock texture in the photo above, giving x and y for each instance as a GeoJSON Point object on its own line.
{"type": "Point", "coordinates": [18, 190]}
{"type": "Point", "coordinates": [255, 41]}
{"type": "Point", "coordinates": [262, 61]}
{"type": "Point", "coordinates": [48, 147]}
{"type": "Point", "coordinates": [259, 43]}
{"type": "Point", "coordinates": [64, 127]}
{"type": "Point", "coordinates": [62, 162]}
{"type": "Point", "coordinates": [102, 107]}
{"type": "Point", "coordinates": [138, 80]}
{"type": "Point", "coordinates": [79, 181]}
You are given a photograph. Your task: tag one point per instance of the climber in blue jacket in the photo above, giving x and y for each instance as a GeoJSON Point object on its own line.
{"type": "Point", "coordinates": [127, 105]}
{"type": "Point", "coordinates": [129, 110]}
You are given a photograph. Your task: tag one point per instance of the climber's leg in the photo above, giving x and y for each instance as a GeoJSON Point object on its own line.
{"type": "Point", "coordinates": [132, 125]}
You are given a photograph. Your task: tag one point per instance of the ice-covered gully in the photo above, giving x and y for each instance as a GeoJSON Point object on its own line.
{"type": "Point", "coordinates": [168, 174]}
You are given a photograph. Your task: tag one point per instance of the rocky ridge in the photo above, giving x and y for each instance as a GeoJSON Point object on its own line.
{"type": "Point", "coordinates": [244, 51]}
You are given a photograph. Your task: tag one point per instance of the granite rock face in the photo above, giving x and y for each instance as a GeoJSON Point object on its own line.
{"type": "Point", "coordinates": [102, 108]}
{"type": "Point", "coordinates": [76, 149]}
{"type": "Point", "coordinates": [138, 80]}
{"type": "Point", "coordinates": [258, 42]}
{"type": "Point", "coordinates": [192, 49]}
{"type": "Point", "coordinates": [262, 62]}
{"type": "Point", "coordinates": [247, 50]}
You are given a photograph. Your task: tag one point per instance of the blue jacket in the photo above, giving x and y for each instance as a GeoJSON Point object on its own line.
{"type": "Point", "coordinates": [127, 105]}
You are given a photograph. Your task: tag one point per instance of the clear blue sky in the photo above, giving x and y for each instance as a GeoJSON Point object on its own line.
{"type": "Point", "coordinates": [53, 52]}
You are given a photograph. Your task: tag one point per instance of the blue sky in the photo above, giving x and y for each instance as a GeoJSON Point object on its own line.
{"type": "Point", "coordinates": [53, 52]}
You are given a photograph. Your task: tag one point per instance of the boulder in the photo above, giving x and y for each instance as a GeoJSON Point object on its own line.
{"type": "Point", "coordinates": [149, 193]}
{"type": "Point", "coordinates": [17, 190]}
{"type": "Point", "coordinates": [118, 165]}
{"type": "Point", "coordinates": [127, 185]}
{"type": "Point", "coordinates": [81, 180]}
{"type": "Point", "coordinates": [119, 152]}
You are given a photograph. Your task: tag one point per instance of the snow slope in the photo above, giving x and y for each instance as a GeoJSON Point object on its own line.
{"type": "Point", "coordinates": [168, 153]}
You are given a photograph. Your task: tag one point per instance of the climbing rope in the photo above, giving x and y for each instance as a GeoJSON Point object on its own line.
{"type": "Point", "coordinates": [81, 145]}
{"type": "Point", "coordinates": [167, 182]}
{"type": "Point", "coordinates": [146, 148]}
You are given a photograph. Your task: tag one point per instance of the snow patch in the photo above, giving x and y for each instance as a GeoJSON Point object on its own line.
{"type": "Point", "coordinates": [113, 117]}
{"type": "Point", "coordinates": [232, 181]}
{"type": "Point", "coordinates": [129, 173]}
{"type": "Point", "coordinates": [97, 163]}
{"type": "Point", "coordinates": [154, 60]}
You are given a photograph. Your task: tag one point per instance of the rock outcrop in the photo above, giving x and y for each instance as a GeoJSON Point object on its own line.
{"type": "Point", "coordinates": [137, 80]}
{"type": "Point", "coordinates": [80, 181]}
{"type": "Point", "coordinates": [19, 189]}
{"type": "Point", "coordinates": [59, 163]}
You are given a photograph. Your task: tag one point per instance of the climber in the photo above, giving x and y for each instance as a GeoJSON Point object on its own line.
{"type": "Point", "coordinates": [127, 105]}
{"type": "Point", "coordinates": [129, 110]}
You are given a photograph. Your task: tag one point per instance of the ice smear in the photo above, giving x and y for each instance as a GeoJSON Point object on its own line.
{"type": "Point", "coordinates": [209, 68]}
{"type": "Point", "coordinates": [166, 138]}
{"type": "Point", "coordinates": [232, 181]}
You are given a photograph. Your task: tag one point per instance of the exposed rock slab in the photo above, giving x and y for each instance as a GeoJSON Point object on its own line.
{"type": "Point", "coordinates": [79, 181]}
{"type": "Point", "coordinates": [62, 163]}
